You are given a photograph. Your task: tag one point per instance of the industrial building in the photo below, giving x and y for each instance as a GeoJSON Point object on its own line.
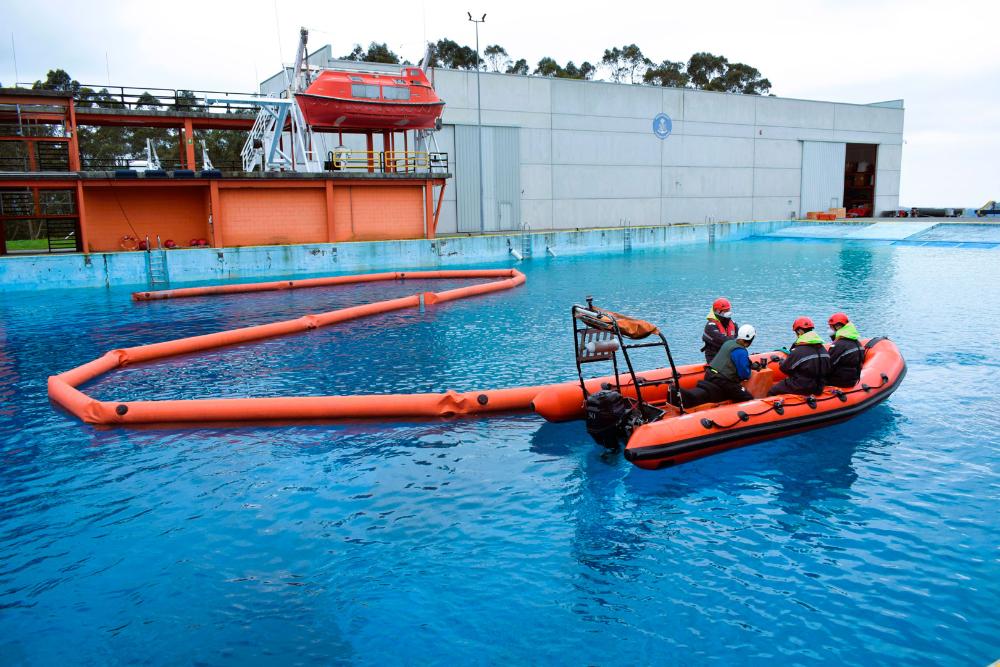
{"type": "Point", "coordinates": [565, 154]}
{"type": "Point", "coordinates": [510, 154]}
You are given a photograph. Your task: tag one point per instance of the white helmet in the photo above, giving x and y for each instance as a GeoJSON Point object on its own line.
{"type": "Point", "coordinates": [747, 333]}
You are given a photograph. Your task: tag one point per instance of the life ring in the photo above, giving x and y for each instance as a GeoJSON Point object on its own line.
{"type": "Point", "coordinates": [128, 243]}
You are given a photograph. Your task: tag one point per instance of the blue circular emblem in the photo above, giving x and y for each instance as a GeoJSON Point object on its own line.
{"type": "Point", "coordinates": [662, 125]}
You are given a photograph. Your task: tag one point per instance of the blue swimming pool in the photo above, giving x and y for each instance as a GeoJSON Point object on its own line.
{"type": "Point", "coordinates": [506, 540]}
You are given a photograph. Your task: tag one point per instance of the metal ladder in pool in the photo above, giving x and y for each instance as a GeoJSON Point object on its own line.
{"type": "Point", "coordinates": [156, 265]}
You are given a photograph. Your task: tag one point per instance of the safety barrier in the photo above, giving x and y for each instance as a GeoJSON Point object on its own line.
{"type": "Point", "coordinates": [63, 387]}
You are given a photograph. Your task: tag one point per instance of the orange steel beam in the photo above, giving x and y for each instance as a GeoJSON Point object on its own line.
{"type": "Point", "coordinates": [215, 213]}
{"type": "Point", "coordinates": [62, 388]}
{"type": "Point", "coordinates": [189, 143]}
{"type": "Point", "coordinates": [81, 210]}
{"type": "Point", "coordinates": [437, 211]}
{"type": "Point", "coordinates": [74, 144]}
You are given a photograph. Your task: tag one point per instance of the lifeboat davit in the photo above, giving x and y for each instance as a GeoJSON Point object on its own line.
{"type": "Point", "coordinates": [345, 100]}
{"type": "Point", "coordinates": [659, 435]}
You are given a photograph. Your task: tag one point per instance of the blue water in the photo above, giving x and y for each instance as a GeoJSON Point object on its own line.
{"type": "Point", "coordinates": [507, 540]}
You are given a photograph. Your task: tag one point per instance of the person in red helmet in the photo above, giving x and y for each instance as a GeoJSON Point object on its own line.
{"type": "Point", "coordinates": [719, 328]}
{"type": "Point", "coordinates": [807, 364]}
{"type": "Point", "coordinates": [846, 354]}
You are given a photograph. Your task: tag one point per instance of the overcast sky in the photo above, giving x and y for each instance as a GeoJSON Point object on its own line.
{"type": "Point", "coordinates": [942, 58]}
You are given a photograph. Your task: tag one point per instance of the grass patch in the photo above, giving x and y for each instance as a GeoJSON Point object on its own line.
{"type": "Point", "coordinates": [28, 244]}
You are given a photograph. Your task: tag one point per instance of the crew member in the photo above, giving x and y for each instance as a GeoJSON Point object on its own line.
{"type": "Point", "coordinates": [806, 365]}
{"type": "Point", "coordinates": [719, 328]}
{"type": "Point", "coordinates": [725, 374]}
{"type": "Point", "coordinates": [846, 353]}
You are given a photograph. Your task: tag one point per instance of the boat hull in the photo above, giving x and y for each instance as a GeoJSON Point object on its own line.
{"type": "Point", "coordinates": [349, 114]}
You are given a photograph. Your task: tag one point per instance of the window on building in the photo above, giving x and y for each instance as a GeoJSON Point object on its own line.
{"type": "Point", "coordinates": [396, 93]}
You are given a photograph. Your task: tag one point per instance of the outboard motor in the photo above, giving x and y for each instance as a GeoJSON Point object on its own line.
{"type": "Point", "coordinates": [607, 416]}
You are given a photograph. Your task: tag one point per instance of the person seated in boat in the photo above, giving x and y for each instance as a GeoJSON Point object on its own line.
{"type": "Point", "coordinates": [725, 375]}
{"type": "Point", "coordinates": [719, 328]}
{"type": "Point", "coordinates": [846, 354]}
{"type": "Point", "coordinates": [807, 363]}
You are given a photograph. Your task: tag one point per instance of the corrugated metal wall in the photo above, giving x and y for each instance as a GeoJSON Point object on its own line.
{"type": "Point", "coordinates": [822, 175]}
{"type": "Point", "coordinates": [501, 178]}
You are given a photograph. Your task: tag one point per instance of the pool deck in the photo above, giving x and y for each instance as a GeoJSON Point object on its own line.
{"type": "Point", "coordinates": [191, 265]}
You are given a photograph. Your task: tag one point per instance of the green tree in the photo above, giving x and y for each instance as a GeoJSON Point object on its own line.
{"type": "Point", "coordinates": [711, 72]}
{"type": "Point", "coordinates": [376, 53]}
{"type": "Point", "coordinates": [668, 74]}
{"type": "Point", "coordinates": [549, 67]}
{"type": "Point", "coordinates": [626, 64]}
{"type": "Point", "coordinates": [584, 71]}
{"type": "Point", "coordinates": [705, 67]}
{"type": "Point", "coordinates": [519, 67]}
{"type": "Point", "coordinates": [187, 101]}
{"type": "Point", "coordinates": [741, 78]}
{"type": "Point", "coordinates": [496, 58]}
{"type": "Point", "coordinates": [58, 79]}
{"type": "Point", "coordinates": [448, 53]}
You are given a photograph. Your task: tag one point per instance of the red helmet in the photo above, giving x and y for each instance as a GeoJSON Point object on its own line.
{"type": "Point", "coordinates": [722, 305]}
{"type": "Point", "coordinates": [803, 323]}
{"type": "Point", "coordinates": [838, 318]}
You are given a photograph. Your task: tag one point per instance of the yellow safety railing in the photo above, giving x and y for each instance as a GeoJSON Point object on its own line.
{"type": "Point", "coordinates": [403, 162]}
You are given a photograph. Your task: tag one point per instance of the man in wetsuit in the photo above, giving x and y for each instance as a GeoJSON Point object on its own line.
{"type": "Point", "coordinates": [719, 328]}
{"type": "Point", "coordinates": [806, 365]}
{"type": "Point", "coordinates": [846, 353]}
{"type": "Point", "coordinates": [725, 374]}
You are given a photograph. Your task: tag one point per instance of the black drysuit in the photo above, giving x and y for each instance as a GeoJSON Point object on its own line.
{"type": "Point", "coordinates": [714, 336]}
{"type": "Point", "coordinates": [846, 359]}
{"type": "Point", "coordinates": [805, 368]}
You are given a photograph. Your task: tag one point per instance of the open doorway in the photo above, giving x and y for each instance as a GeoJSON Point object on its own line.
{"type": "Point", "coordinates": [859, 180]}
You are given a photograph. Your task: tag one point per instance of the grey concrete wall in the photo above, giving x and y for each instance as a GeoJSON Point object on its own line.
{"type": "Point", "coordinates": [188, 265]}
{"type": "Point", "coordinates": [589, 157]}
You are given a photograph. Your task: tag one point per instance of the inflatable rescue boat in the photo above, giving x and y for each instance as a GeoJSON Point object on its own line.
{"type": "Point", "coordinates": [633, 407]}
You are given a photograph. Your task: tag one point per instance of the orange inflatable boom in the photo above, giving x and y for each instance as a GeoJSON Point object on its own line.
{"type": "Point", "coordinates": [63, 387]}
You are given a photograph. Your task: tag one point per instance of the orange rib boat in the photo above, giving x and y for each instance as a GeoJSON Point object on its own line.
{"type": "Point", "coordinates": [658, 434]}
{"type": "Point", "coordinates": [716, 427]}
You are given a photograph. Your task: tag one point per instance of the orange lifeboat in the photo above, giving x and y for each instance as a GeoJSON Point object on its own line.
{"type": "Point", "coordinates": [344, 100]}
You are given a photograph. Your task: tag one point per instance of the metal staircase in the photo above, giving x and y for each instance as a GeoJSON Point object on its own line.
{"type": "Point", "coordinates": [156, 265]}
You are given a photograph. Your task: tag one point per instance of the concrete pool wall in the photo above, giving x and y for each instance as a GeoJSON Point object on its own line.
{"type": "Point", "coordinates": [113, 269]}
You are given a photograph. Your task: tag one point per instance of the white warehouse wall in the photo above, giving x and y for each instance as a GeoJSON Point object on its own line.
{"type": "Point", "coordinates": [589, 157]}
